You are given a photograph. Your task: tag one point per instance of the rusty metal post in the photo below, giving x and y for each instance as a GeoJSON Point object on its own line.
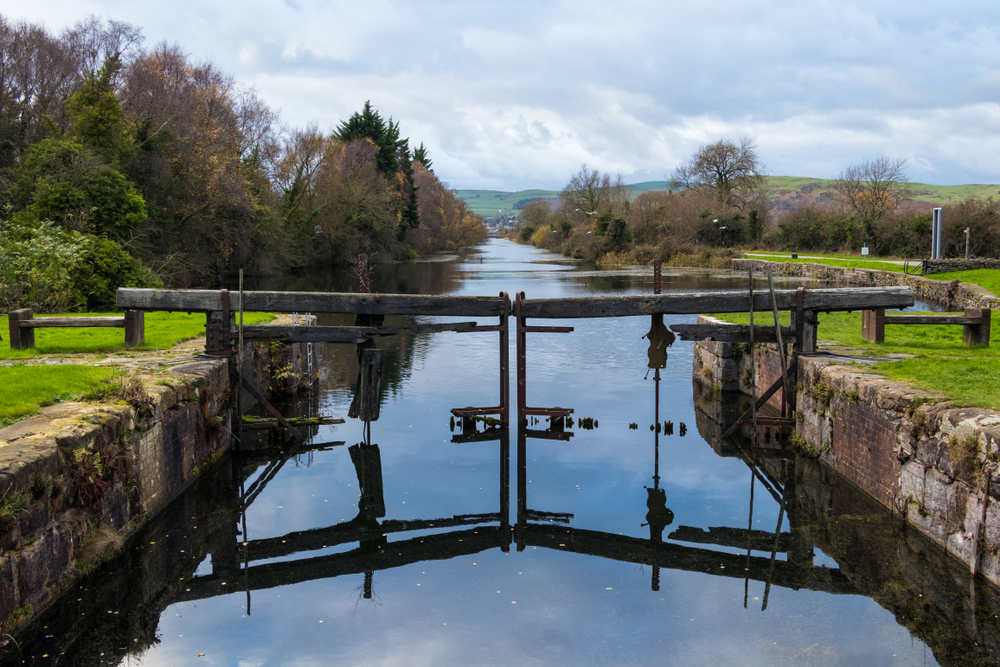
{"type": "Point", "coordinates": [657, 276]}
{"type": "Point", "coordinates": [522, 370]}
{"type": "Point", "coordinates": [505, 360]}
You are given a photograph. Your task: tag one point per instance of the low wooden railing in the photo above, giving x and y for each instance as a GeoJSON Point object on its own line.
{"type": "Point", "coordinates": [976, 323]}
{"type": "Point", "coordinates": [23, 324]}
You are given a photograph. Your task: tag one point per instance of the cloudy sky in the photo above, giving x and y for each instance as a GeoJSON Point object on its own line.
{"type": "Point", "coordinates": [513, 95]}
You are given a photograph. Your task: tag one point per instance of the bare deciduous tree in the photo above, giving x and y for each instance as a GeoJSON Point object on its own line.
{"type": "Point", "coordinates": [591, 193]}
{"type": "Point", "coordinates": [733, 173]}
{"type": "Point", "coordinates": [872, 188]}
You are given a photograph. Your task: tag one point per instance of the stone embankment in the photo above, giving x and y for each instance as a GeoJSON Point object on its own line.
{"type": "Point", "coordinates": [946, 265]}
{"type": "Point", "coordinates": [76, 470]}
{"type": "Point", "coordinates": [935, 464]}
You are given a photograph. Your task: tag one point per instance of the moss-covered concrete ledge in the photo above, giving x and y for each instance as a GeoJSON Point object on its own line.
{"type": "Point", "coordinates": [936, 464]}
{"type": "Point", "coordinates": [76, 468]}
{"type": "Point", "coordinates": [954, 294]}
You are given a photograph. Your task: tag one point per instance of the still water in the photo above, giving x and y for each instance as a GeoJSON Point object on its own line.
{"type": "Point", "coordinates": [525, 549]}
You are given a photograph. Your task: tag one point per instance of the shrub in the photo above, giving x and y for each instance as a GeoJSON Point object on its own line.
{"type": "Point", "coordinates": [51, 269]}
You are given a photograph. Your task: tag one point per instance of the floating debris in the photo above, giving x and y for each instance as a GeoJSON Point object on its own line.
{"type": "Point", "coordinates": [684, 429]}
{"type": "Point", "coordinates": [668, 428]}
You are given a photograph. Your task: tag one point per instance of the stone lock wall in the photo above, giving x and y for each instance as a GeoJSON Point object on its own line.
{"type": "Point", "coordinates": [162, 445]}
{"type": "Point", "coordinates": [930, 463]}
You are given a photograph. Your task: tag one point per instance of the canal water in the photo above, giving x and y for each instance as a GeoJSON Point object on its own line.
{"type": "Point", "coordinates": [609, 545]}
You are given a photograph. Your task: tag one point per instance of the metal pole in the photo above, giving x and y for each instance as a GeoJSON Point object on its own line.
{"type": "Point", "coordinates": [781, 345]}
{"type": "Point", "coordinates": [239, 369]}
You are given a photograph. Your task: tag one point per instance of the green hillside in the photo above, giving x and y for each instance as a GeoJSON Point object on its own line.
{"type": "Point", "coordinates": [788, 191]}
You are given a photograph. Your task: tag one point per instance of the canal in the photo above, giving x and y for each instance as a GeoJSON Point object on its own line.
{"type": "Point", "coordinates": [607, 545]}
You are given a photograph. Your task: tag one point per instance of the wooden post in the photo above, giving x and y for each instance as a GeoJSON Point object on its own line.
{"type": "Point", "coordinates": [873, 325]}
{"type": "Point", "coordinates": [135, 327]}
{"type": "Point", "coordinates": [974, 335]}
{"type": "Point", "coordinates": [366, 404]}
{"type": "Point", "coordinates": [21, 338]}
{"type": "Point", "coordinates": [810, 325]}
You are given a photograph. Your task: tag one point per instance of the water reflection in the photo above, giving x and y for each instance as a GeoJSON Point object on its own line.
{"type": "Point", "coordinates": [631, 545]}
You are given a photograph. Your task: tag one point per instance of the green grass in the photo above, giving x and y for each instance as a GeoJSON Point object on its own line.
{"type": "Point", "coordinates": [941, 364]}
{"type": "Point", "coordinates": [163, 331]}
{"type": "Point", "coordinates": [988, 278]}
{"type": "Point", "coordinates": [28, 388]}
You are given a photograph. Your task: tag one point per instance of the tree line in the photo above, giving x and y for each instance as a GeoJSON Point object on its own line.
{"type": "Point", "coordinates": [127, 166]}
{"type": "Point", "coordinates": [721, 199]}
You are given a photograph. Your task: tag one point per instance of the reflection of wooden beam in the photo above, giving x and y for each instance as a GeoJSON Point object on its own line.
{"type": "Point", "coordinates": [677, 557]}
{"type": "Point", "coordinates": [352, 531]}
{"type": "Point", "coordinates": [760, 540]}
{"type": "Point", "coordinates": [367, 558]}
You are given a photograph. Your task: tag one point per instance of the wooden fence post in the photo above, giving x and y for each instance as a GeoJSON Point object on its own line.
{"type": "Point", "coordinates": [873, 325]}
{"type": "Point", "coordinates": [366, 404]}
{"type": "Point", "coordinates": [21, 338]}
{"type": "Point", "coordinates": [977, 335]}
{"type": "Point", "coordinates": [135, 327]}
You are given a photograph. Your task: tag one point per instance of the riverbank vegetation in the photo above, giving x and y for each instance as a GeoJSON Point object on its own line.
{"type": "Point", "coordinates": [126, 166]}
{"type": "Point", "coordinates": [720, 204]}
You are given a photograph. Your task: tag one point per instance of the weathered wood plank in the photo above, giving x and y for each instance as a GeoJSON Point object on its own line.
{"type": "Point", "coordinates": [314, 334]}
{"type": "Point", "coordinates": [731, 333]}
{"type": "Point", "coordinates": [44, 322]}
{"type": "Point", "coordinates": [694, 303]}
{"type": "Point", "coordinates": [931, 319]}
{"type": "Point", "coordinates": [313, 302]}
{"type": "Point", "coordinates": [367, 399]}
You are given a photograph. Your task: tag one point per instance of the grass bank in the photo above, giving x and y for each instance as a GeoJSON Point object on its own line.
{"type": "Point", "coordinates": [940, 365]}
{"type": "Point", "coordinates": [29, 386]}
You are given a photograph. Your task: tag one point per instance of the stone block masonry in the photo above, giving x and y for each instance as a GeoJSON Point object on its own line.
{"type": "Point", "coordinates": [931, 463]}
{"type": "Point", "coordinates": [144, 454]}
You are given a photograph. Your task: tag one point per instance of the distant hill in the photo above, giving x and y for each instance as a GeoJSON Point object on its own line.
{"type": "Point", "coordinates": [789, 192]}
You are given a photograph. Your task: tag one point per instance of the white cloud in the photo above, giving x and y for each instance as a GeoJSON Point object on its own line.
{"type": "Point", "coordinates": [519, 94]}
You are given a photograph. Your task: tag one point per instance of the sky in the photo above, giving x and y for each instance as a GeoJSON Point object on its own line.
{"type": "Point", "coordinates": [515, 95]}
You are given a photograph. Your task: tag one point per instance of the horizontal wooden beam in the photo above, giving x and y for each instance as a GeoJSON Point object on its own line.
{"type": "Point", "coordinates": [731, 333]}
{"type": "Point", "coordinates": [44, 322]}
{"type": "Point", "coordinates": [695, 303]}
{"type": "Point", "coordinates": [311, 302]}
{"type": "Point", "coordinates": [931, 319]}
{"type": "Point", "coordinates": [314, 334]}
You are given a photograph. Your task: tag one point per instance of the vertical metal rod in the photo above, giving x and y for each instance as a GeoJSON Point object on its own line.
{"type": "Point", "coordinates": [774, 552]}
{"type": "Point", "coordinates": [746, 576]}
{"type": "Point", "coordinates": [239, 385]}
{"type": "Point", "coordinates": [657, 275]}
{"type": "Point", "coordinates": [656, 433]}
{"type": "Point", "coordinates": [781, 344]}
{"type": "Point", "coordinates": [505, 360]}
{"type": "Point", "coordinates": [505, 488]}
{"type": "Point", "coordinates": [246, 544]}
{"type": "Point", "coordinates": [753, 403]}
{"type": "Point", "coordinates": [522, 400]}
